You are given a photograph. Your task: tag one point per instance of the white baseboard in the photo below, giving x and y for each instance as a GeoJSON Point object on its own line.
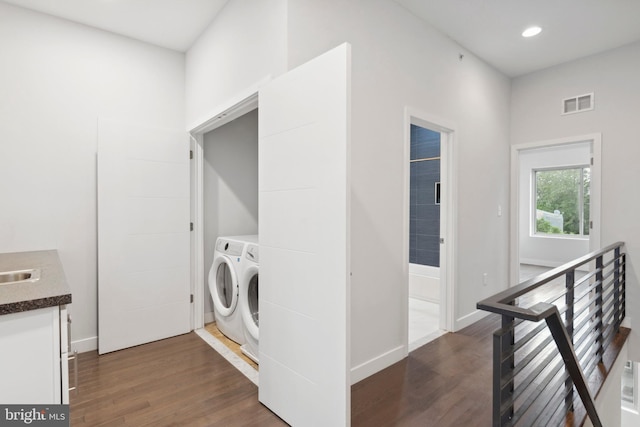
{"type": "Point", "coordinates": [370, 367]}
{"type": "Point", "coordinates": [469, 319]}
{"type": "Point", "coordinates": [84, 345]}
{"type": "Point", "coordinates": [208, 317]}
{"type": "Point", "coordinates": [91, 343]}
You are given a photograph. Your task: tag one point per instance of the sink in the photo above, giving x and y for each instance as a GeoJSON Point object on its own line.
{"type": "Point", "coordinates": [19, 276]}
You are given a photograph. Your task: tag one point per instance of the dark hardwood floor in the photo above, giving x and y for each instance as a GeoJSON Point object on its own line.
{"type": "Point", "coordinates": [179, 381]}
{"type": "Point", "coordinates": [182, 381]}
{"type": "Point", "coordinates": [444, 383]}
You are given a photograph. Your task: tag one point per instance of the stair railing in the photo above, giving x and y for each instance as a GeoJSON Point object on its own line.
{"type": "Point", "coordinates": [533, 379]}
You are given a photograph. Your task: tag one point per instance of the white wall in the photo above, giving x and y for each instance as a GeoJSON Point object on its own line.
{"type": "Point", "coordinates": [540, 249]}
{"type": "Point", "coordinates": [613, 77]}
{"type": "Point", "coordinates": [245, 44]}
{"type": "Point", "coordinates": [400, 61]}
{"type": "Point", "coordinates": [56, 78]}
{"type": "Point", "coordinates": [230, 185]}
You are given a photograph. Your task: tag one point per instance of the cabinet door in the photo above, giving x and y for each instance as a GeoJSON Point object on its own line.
{"type": "Point", "coordinates": [30, 357]}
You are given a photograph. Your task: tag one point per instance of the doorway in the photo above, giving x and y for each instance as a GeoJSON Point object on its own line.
{"type": "Point", "coordinates": [305, 110]}
{"type": "Point", "coordinates": [555, 203]}
{"type": "Point", "coordinates": [428, 233]}
{"type": "Point", "coordinates": [202, 308]}
{"type": "Point", "coordinates": [224, 194]}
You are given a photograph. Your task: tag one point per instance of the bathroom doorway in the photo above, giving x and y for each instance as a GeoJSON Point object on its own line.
{"type": "Point", "coordinates": [427, 209]}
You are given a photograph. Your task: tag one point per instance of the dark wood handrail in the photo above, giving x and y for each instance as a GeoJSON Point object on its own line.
{"type": "Point", "coordinates": [500, 303]}
{"type": "Point", "coordinates": [562, 332]}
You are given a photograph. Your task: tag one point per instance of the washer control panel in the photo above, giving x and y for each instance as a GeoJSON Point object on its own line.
{"type": "Point", "coordinates": [229, 247]}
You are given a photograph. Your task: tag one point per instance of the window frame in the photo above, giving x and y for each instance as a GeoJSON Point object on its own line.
{"type": "Point", "coordinates": [534, 203]}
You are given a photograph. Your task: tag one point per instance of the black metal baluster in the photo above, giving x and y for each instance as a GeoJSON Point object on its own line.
{"type": "Point", "coordinates": [503, 341]}
{"type": "Point", "coordinates": [569, 318]}
{"type": "Point", "coordinates": [616, 289]}
{"type": "Point", "coordinates": [599, 314]}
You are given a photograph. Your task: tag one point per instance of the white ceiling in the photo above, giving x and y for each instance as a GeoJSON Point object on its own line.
{"type": "Point", "coordinates": [571, 29]}
{"type": "Point", "coordinates": [489, 28]}
{"type": "Point", "coordinates": [174, 24]}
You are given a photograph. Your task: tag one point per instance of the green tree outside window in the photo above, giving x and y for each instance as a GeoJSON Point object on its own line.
{"type": "Point", "coordinates": [564, 193]}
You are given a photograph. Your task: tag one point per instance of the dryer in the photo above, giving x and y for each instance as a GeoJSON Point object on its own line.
{"type": "Point", "coordinates": [249, 302]}
{"type": "Point", "coordinates": [224, 277]}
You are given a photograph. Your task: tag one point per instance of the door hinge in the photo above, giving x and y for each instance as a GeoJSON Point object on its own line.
{"type": "Point", "coordinates": [591, 225]}
{"type": "Point", "coordinates": [191, 299]}
{"type": "Point", "coordinates": [442, 240]}
{"type": "Point", "coordinates": [190, 226]}
{"type": "Point", "coordinates": [190, 154]}
{"type": "Point", "coordinates": [592, 161]}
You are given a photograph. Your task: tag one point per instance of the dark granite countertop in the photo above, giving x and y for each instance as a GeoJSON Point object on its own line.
{"type": "Point", "coordinates": [50, 290]}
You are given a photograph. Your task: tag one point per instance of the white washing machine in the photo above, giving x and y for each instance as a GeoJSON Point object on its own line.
{"type": "Point", "coordinates": [224, 280]}
{"type": "Point", "coordinates": [249, 302]}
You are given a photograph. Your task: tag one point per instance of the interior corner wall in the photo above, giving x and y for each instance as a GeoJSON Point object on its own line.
{"type": "Point", "coordinates": [245, 44]}
{"type": "Point", "coordinates": [614, 79]}
{"type": "Point", "coordinates": [230, 185]}
{"type": "Point", "coordinates": [56, 78]}
{"type": "Point", "coordinates": [399, 61]}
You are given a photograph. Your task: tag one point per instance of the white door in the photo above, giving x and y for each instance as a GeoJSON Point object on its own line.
{"type": "Point", "coordinates": [143, 234]}
{"type": "Point", "coordinates": [304, 242]}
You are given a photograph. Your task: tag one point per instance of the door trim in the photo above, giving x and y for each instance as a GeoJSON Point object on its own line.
{"type": "Point", "coordinates": [242, 104]}
{"type": "Point", "coordinates": [448, 229]}
{"type": "Point", "coordinates": [595, 201]}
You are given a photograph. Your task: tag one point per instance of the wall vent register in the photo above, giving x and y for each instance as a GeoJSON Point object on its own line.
{"type": "Point", "coordinates": [577, 104]}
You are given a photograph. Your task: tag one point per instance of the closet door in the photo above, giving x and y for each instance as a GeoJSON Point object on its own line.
{"type": "Point", "coordinates": [143, 234]}
{"type": "Point", "coordinates": [304, 197]}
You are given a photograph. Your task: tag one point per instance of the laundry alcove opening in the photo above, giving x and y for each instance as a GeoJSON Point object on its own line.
{"type": "Point", "coordinates": [230, 188]}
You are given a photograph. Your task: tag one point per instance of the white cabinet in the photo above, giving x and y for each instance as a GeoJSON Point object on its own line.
{"type": "Point", "coordinates": [33, 357]}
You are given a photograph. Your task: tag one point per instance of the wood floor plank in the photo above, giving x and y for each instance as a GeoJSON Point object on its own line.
{"type": "Point", "coordinates": [178, 381]}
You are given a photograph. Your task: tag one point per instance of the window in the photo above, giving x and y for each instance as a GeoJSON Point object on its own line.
{"type": "Point", "coordinates": [562, 201]}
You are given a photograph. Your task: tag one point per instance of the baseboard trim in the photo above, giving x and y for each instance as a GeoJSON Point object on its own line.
{"type": "Point", "coordinates": [84, 345]}
{"type": "Point", "coordinates": [469, 319]}
{"type": "Point", "coordinates": [370, 367]}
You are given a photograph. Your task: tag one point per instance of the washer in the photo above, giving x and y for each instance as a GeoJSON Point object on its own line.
{"type": "Point", "coordinates": [224, 284]}
{"type": "Point", "coordinates": [249, 302]}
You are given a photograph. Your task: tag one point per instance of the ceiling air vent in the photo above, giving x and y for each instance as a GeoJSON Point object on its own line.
{"type": "Point", "coordinates": [577, 104]}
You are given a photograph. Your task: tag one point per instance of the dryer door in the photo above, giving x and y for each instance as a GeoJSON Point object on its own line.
{"type": "Point", "coordinates": [223, 284]}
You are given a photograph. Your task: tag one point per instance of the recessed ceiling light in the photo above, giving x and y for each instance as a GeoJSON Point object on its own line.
{"type": "Point", "coordinates": [531, 31]}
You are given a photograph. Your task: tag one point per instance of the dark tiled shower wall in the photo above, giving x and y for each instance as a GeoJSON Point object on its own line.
{"type": "Point", "coordinates": [424, 223]}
